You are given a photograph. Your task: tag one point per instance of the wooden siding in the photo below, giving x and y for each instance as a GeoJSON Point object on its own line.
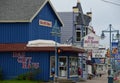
{"type": "Point", "coordinates": [24, 32]}
{"type": "Point", "coordinates": [13, 32]}
{"type": "Point", "coordinates": [37, 31]}
{"type": "Point", "coordinates": [12, 68]}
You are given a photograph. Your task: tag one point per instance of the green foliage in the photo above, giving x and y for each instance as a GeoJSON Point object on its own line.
{"type": "Point", "coordinates": [20, 81]}
{"type": "Point", "coordinates": [21, 77]}
{"type": "Point", "coordinates": [30, 75]}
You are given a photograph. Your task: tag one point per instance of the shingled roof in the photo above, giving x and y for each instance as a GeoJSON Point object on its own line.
{"type": "Point", "coordinates": [21, 10]}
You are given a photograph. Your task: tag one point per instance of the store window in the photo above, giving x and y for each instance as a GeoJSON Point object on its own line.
{"type": "Point", "coordinates": [62, 66]}
{"type": "Point", "coordinates": [82, 62]}
{"type": "Point", "coordinates": [52, 66]}
{"type": "Point", "coordinates": [83, 67]}
{"type": "Point", "coordinates": [73, 66]}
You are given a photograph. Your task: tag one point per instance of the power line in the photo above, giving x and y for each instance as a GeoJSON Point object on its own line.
{"type": "Point", "coordinates": [111, 2]}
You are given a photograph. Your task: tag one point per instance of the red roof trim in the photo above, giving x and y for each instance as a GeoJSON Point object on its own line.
{"type": "Point", "coordinates": [23, 47]}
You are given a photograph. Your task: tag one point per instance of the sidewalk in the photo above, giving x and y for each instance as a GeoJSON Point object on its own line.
{"type": "Point", "coordinates": [103, 79]}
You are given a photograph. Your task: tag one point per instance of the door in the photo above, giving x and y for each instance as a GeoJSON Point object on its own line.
{"type": "Point", "coordinates": [62, 66]}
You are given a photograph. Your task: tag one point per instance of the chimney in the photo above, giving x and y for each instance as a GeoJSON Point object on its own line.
{"type": "Point", "coordinates": [78, 1]}
{"type": "Point", "coordinates": [75, 8]}
{"type": "Point", "coordinates": [89, 14]}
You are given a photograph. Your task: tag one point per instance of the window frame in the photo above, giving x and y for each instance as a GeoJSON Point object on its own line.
{"type": "Point", "coordinates": [76, 66]}
{"type": "Point", "coordinates": [51, 58]}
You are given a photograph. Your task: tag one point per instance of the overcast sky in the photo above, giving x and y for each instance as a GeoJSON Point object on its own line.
{"type": "Point", "coordinates": [103, 13]}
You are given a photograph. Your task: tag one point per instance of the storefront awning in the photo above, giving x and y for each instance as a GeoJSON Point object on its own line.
{"type": "Point", "coordinates": [24, 47]}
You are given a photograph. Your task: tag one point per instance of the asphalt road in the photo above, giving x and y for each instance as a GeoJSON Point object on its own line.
{"type": "Point", "coordinates": [103, 79]}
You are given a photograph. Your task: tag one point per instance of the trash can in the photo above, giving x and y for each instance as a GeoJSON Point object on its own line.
{"type": "Point", "coordinates": [110, 79]}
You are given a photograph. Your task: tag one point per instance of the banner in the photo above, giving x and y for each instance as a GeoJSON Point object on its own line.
{"type": "Point", "coordinates": [115, 52]}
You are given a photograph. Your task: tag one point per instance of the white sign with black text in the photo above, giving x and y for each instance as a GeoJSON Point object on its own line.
{"type": "Point", "coordinates": [91, 41]}
{"type": "Point", "coordinates": [98, 53]}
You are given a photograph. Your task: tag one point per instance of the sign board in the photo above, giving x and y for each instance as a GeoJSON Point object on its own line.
{"type": "Point", "coordinates": [115, 52]}
{"type": "Point", "coordinates": [91, 41]}
{"type": "Point", "coordinates": [98, 53]}
{"type": "Point", "coordinates": [45, 23]}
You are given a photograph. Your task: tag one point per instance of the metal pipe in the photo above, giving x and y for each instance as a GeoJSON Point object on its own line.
{"type": "Point", "coordinates": [111, 58]}
{"type": "Point", "coordinates": [56, 57]}
{"type": "Point", "coordinates": [110, 45]}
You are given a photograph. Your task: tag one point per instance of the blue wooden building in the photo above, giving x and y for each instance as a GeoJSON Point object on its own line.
{"type": "Point", "coordinates": [22, 21]}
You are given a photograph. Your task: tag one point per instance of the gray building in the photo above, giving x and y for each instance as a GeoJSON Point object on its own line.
{"type": "Point", "coordinates": [76, 26]}
{"type": "Point", "coordinates": [67, 30]}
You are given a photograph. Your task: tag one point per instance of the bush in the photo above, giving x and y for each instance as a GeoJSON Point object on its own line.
{"type": "Point", "coordinates": [30, 75]}
{"type": "Point", "coordinates": [1, 74]}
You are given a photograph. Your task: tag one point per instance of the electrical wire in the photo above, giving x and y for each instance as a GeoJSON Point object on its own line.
{"type": "Point", "coordinates": [111, 2]}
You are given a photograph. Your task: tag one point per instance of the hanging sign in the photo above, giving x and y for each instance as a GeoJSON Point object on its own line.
{"type": "Point", "coordinates": [115, 52]}
{"type": "Point", "coordinates": [98, 53]}
{"type": "Point", "coordinates": [91, 41]}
